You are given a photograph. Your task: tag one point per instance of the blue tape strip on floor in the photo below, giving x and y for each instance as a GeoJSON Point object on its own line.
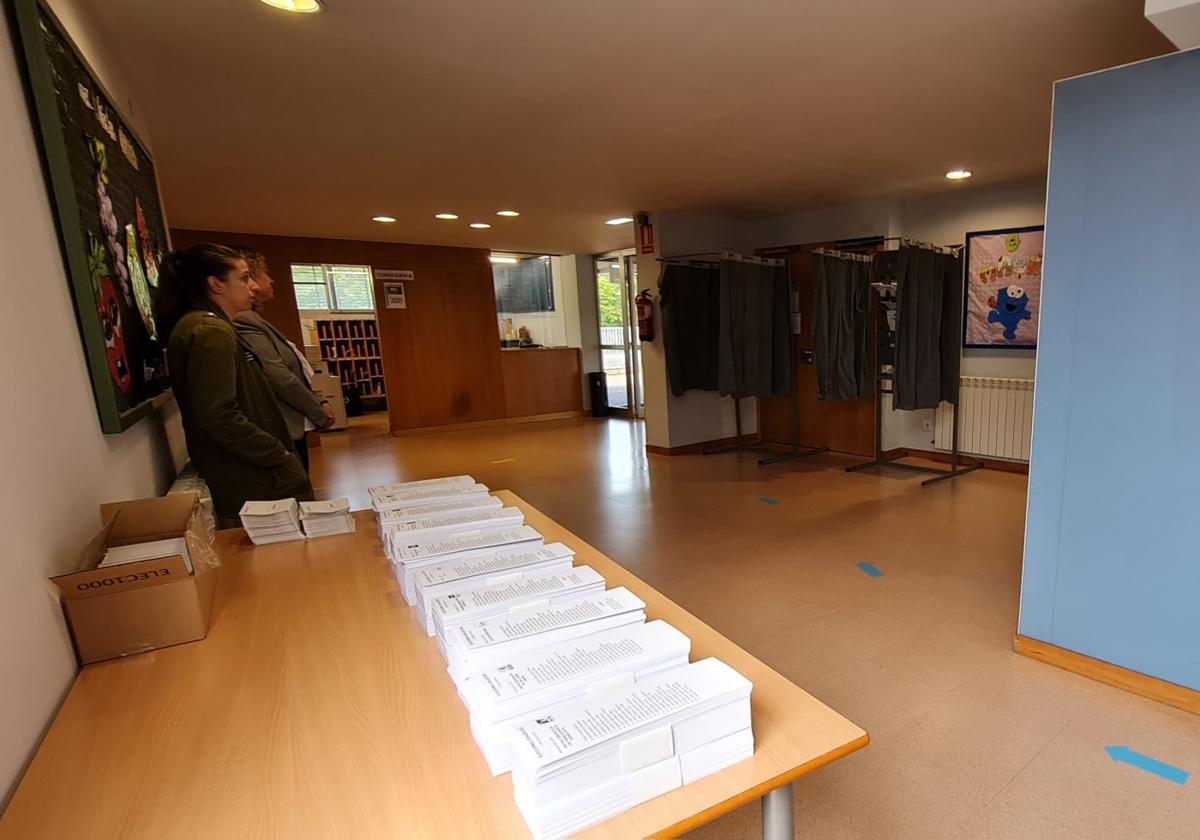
{"type": "Point", "coordinates": [768, 501]}
{"type": "Point", "coordinates": [871, 569]}
{"type": "Point", "coordinates": [1124, 755]}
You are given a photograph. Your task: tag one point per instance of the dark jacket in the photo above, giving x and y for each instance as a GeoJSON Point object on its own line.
{"type": "Point", "coordinates": [284, 372]}
{"type": "Point", "coordinates": [236, 435]}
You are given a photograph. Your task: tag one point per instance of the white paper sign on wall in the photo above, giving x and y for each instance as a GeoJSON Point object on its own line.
{"type": "Point", "coordinates": [393, 274]}
{"type": "Point", "coordinates": [393, 295]}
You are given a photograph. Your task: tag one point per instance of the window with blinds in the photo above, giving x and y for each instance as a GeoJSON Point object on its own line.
{"type": "Point", "coordinates": [333, 288]}
{"type": "Point", "coordinates": [526, 286]}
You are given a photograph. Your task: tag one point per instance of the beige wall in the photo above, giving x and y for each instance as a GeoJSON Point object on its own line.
{"type": "Point", "coordinates": [58, 466]}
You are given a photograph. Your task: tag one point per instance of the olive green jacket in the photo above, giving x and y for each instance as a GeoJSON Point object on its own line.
{"type": "Point", "coordinates": [236, 435]}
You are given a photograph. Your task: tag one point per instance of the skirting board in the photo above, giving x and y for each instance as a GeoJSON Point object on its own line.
{"type": "Point", "coordinates": [483, 424]}
{"type": "Point", "coordinates": [697, 448]}
{"type": "Point", "coordinates": [1077, 663]}
{"type": "Point", "coordinates": [966, 460]}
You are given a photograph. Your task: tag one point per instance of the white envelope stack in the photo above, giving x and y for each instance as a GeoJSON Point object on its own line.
{"type": "Point", "coordinates": [481, 571]}
{"type": "Point", "coordinates": [542, 677]}
{"type": "Point", "coordinates": [580, 762]}
{"type": "Point", "coordinates": [272, 521]}
{"type": "Point", "coordinates": [324, 518]}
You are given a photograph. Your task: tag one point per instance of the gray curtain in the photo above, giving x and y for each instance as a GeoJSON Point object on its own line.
{"type": "Point", "coordinates": [690, 299]}
{"type": "Point", "coordinates": [928, 321]}
{"type": "Point", "coordinates": [841, 328]}
{"type": "Point", "coordinates": [754, 356]}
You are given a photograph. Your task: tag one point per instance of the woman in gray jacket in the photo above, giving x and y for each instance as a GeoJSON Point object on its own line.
{"type": "Point", "coordinates": [288, 372]}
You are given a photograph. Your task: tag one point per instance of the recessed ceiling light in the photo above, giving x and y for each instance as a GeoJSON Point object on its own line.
{"type": "Point", "coordinates": [509, 213]}
{"type": "Point", "coordinates": [621, 220]}
{"type": "Point", "coordinates": [503, 260]}
{"type": "Point", "coordinates": [382, 219]}
{"type": "Point", "coordinates": [480, 225]}
{"type": "Point", "coordinates": [306, 7]}
{"type": "Point", "coordinates": [446, 217]}
{"type": "Point", "coordinates": [959, 174]}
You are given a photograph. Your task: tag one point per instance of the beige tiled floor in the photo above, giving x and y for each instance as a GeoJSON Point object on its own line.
{"type": "Point", "coordinates": [968, 739]}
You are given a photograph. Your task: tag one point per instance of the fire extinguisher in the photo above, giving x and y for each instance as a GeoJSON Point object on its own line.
{"type": "Point", "coordinates": [645, 315]}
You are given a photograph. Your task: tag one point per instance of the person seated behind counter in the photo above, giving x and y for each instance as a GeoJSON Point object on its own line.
{"type": "Point", "coordinates": [288, 372]}
{"type": "Point", "coordinates": [236, 434]}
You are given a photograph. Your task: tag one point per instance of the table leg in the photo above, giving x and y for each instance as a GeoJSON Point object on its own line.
{"type": "Point", "coordinates": [778, 820]}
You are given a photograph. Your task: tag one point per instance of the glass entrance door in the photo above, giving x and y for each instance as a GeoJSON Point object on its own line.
{"type": "Point", "coordinates": [620, 351]}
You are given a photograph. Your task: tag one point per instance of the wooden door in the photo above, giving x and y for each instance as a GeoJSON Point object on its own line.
{"type": "Point", "coordinates": [841, 425]}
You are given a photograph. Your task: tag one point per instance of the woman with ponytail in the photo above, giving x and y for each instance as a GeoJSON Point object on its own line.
{"type": "Point", "coordinates": [236, 434]}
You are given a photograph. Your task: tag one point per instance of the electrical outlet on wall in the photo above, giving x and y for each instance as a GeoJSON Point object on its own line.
{"type": "Point", "coordinates": [927, 425]}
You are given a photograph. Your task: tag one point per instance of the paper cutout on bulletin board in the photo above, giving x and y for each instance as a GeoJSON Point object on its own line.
{"type": "Point", "coordinates": [141, 290]}
{"type": "Point", "coordinates": [1003, 288]}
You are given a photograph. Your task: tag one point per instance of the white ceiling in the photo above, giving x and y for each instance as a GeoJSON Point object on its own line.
{"type": "Point", "coordinates": [574, 111]}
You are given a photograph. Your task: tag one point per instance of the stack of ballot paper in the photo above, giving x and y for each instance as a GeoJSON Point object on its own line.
{"type": "Point", "coordinates": [504, 597]}
{"type": "Point", "coordinates": [479, 644]}
{"type": "Point", "coordinates": [440, 527]}
{"type": "Point", "coordinates": [415, 485]}
{"type": "Point", "coordinates": [272, 522]}
{"type": "Point", "coordinates": [587, 667]}
{"type": "Point", "coordinates": [583, 761]}
{"type": "Point", "coordinates": [415, 513]}
{"type": "Point", "coordinates": [461, 575]}
{"type": "Point", "coordinates": [407, 557]}
{"type": "Point", "coordinates": [118, 555]}
{"type": "Point", "coordinates": [427, 495]}
{"type": "Point", "coordinates": [323, 518]}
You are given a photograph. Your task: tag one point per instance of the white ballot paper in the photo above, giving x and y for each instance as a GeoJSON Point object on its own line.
{"type": "Point", "coordinates": [475, 604]}
{"type": "Point", "coordinates": [478, 644]}
{"type": "Point", "coordinates": [591, 666]}
{"type": "Point", "coordinates": [118, 555]}
{"type": "Point", "coordinates": [432, 494]}
{"type": "Point", "coordinates": [437, 528]}
{"type": "Point", "coordinates": [326, 517]}
{"type": "Point", "coordinates": [399, 486]}
{"type": "Point", "coordinates": [583, 761]}
{"type": "Point", "coordinates": [415, 513]}
{"type": "Point", "coordinates": [271, 521]}
{"type": "Point", "coordinates": [445, 578]}
{"type": "Point", "coordinates": [408, 557]}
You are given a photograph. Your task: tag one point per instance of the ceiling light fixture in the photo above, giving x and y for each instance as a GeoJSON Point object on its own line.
{"type": "Point", "coordinates": [387, 219]}
{"type": "Point", "coordinates": [959, 174]}
{"type": "Point", "coordinates": [509, 213]}
{"type": "Point", "coordinates": [620, 220]}
{"type": "Point", "coordinates": [304, 7]}
{"type": "Point", "coordinates": [544, 257]}
{"type": "Point", "coordinates": [503, 260]}
{"type": "Point", "coordinates": [446, 217]}
{"type": "Point", "coordinates": [480, 225]}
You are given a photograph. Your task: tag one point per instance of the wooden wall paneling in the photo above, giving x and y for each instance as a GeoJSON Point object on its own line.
{"type": "Point", "coordinates": [542, 381]}
{"type": "Point", "coordinates": [441, 355]}
{"type": "Point", "coordinates": [841, 425]}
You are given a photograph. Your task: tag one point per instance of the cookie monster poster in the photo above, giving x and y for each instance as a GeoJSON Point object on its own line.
{"type": "Point", "coordinates": [1004, 287]}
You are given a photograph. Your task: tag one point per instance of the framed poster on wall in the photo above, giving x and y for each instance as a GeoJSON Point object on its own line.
{"type": "Point", "coordinates": [1003, 294]}
{"type": "Point", "coordinates": [109, 216]}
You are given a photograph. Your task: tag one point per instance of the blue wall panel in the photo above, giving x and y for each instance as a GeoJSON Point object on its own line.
{"type": "Point", "coordinates": [1112, 546]}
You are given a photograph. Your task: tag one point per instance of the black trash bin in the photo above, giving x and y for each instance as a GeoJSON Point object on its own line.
{"type": "Point", "coordinates": [599, 392]}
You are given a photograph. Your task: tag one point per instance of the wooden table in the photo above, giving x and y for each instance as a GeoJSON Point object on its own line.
{"type": "Point", "coordinates": [317, 708]}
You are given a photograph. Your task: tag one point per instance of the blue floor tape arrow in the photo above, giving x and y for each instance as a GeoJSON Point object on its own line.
{"type": "Point", "coordinates": [1150, 765]}
{"type": "Point", "coordinates": [766, 500]}
{"type": "Point", "coordinates": [871, 569]}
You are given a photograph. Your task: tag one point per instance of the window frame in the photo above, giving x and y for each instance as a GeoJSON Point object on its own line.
{"type": "Point", "coordinates": [329, 285]}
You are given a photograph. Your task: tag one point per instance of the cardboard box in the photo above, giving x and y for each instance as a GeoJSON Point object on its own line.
{"type": "Point", "coordinates": [123, 610]}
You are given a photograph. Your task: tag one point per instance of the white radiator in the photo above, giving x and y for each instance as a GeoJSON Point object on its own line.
{"type": "Point", "coordinates": [995, 418]}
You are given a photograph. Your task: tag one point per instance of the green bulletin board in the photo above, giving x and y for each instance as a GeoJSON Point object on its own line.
{"type": "Point", "coordinates": [110, 219]}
